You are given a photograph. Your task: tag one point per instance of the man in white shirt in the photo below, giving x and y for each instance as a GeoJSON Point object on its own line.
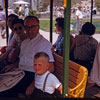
{"type": "Point", "coordinates": [60, 12]}
{"type": "Point", "coordinates": [26, 10]}
{"type": "Point", "coordinates": [79, 18]}
{"type": "Point", "coordinates": [35, 43]}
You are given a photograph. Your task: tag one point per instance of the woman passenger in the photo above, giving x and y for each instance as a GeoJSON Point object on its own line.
{"type": "Point", "coordinates": [60, 40]}
{"type": "Point", "coordinates": [12, 51]}
{"type": "Point", "coordinates": [11, 17]}
{"type": "Point", "coordinates": [85, 46]}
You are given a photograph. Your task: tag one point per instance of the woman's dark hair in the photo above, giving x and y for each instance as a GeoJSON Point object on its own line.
{"type": "Point", "coordinates": [17, 21]}
{"type": "Point", "coordinates": [31, 17]}
{"type": "Point", "coordinates": [88, 28]}
{"type": "Point", "coordinates": [13, 15]}
{"type": "Point", "coordinates": [60, 22]}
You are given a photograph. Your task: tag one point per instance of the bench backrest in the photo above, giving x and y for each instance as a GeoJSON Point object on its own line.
{"type": "Point", "coordinates": [77, 75]}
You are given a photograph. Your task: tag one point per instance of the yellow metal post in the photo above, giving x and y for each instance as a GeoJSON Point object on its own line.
{"type": "Point", "coordinates": [65, 3]}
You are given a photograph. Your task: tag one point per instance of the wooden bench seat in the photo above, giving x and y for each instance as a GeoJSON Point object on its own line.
{"type": "Point", "coordinates": [77, 76]}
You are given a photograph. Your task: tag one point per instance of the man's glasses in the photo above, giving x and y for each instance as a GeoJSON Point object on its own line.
{"type": "Point", "coordinates": [30, 27]}
{"type": "Point", "coordinates": [18, 28]}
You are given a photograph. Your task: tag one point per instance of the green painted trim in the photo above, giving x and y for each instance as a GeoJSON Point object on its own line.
{"type": "Point", "coordinates": [66, 47]}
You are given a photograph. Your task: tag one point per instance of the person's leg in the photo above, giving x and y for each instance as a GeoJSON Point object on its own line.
{"type": "Point", "coordinates": [77, 27]}
{"type": "Point", "coordinates": [24, 83]}
{"type": "Point", "coordinates": [80, 26]}
{"type": "Point", "coordinates": [20, 87]}
{"type": "Point", "coordinates": [3, 27]}
{"type": "Point", "coordinates": [0, 27]}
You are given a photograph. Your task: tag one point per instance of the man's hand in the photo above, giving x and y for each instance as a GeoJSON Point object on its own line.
{"type": "Point", "coordinates": [52, 49]}
{"type": "Point", "coordinates": [80, 20]}
{"type": "Point", "coordinates": [9, 67]}
{"type": "Point", "coordinates": [6, 69]}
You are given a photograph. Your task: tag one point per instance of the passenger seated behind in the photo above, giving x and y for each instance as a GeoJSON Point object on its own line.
{"type": "Point", "coordinates": [94, 77]}
{"type": "Point", "coordinates": [60, 40]}
{"type": "Point", "coordinates": [45, 82]}
{"type": "Point", "coordinates": [85, 46]}
{"type": "Point", "coordinates": [11, 17]}
{"type": "Point", "coordinates": [12, 51]}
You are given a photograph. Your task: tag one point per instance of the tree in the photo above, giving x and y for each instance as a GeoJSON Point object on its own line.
{"type": "Point", "coordinates": [97, 4]}
{"type": "Point", "coordinates": [74, 2]}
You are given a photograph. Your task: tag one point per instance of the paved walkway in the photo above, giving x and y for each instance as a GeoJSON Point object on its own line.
{"type": "Point", "coordinates": [47, 36]}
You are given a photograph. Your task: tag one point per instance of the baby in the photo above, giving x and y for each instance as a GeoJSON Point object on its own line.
{"type": "Point", "coordinates": [45, 82]}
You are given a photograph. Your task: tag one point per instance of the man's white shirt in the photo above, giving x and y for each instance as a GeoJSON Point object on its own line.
{"type": "Point", "coordinates": [29, 48]}
{"type": "Point", "coordinates": [79, 14]}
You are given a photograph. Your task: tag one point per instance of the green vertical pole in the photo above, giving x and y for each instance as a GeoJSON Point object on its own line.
{"type": "Point", "coordinates": [66, 47]}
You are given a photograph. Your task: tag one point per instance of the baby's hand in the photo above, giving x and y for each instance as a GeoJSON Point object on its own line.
{"type": "Point", "coordinates": [30, 90]}
{"type": "Point", "coordinates": [69, 90]}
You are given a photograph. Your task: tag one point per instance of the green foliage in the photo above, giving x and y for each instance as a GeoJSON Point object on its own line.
{"type": "Point", "coordinates": [76, 1]}
{"type": "Point", "coordinates": [45, 24]}
{"type": "Point", "coordinates": [58, 2]}
{"type": "Point", "coordinates": [16, 10]}
{"type": "Point", "coordinates": [43, 6]}
{"type": "Point", "coordinates": [97, 3]}
{"type": "Point", "coordinates": [34, 13]}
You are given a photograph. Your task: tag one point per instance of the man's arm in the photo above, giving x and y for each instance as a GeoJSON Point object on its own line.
{"type": "Point", "coordinates": [9, 67]}
{"type": "Point", "coordinates": [53, 47]}
{"type": "Point", "coordinates": [80, 20]}
{"type": "Point", "coordinates": [9, 48]}
{"type": "Point", "coordinates": [4, 56]}
{"type": "Point", "coordinates": [51, 68]}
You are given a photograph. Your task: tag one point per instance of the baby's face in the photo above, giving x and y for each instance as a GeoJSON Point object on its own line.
{"type": "Point", "coordinates": [40, 65]}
